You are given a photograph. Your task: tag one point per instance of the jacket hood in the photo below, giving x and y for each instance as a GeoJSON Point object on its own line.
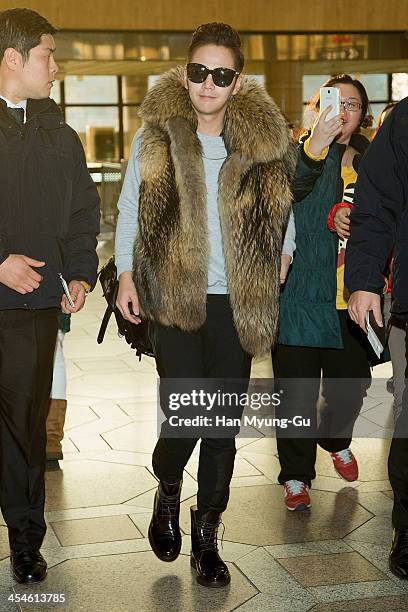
{"type": "Point", "coordinates": [254, 125]}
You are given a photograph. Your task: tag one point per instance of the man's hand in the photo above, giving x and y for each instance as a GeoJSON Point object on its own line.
{"type": "Point", "coordinates": [127, 295]}
{"type": "Point", "coordinates": [324, 132]}
{"type": "Point", "coordinates": [286, 260]}
{"type": "Point", "coordinates": [16, 272]}
{"type": "Point", "coordinates": [77, 291]}
{"type": "Point", "coordinates": [341, 222]}
{"type": "Point", "coordinates": [360, 303]}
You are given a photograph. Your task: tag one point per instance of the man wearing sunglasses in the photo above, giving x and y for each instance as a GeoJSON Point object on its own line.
{"type": "Point", "coordinates": [203, 210]}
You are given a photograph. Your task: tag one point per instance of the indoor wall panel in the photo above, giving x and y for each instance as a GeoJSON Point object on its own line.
{"type": "Point", "coordinates": [249, 15]}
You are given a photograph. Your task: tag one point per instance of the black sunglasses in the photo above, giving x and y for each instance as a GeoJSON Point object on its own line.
{"type": "Point", "coordinates": [222, 77]}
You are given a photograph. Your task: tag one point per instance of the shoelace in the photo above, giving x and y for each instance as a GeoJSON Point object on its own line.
{"type": "Point", "coordinates": [209, 532]}
{"type": "Point", "coordinates": [295, 486]}
{"type": "Point", "coordinates": [168, 505]}
{"type": "Point", "coordinates": [345, 455]}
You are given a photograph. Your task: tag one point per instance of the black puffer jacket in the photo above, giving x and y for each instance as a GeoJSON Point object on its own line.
{"type": "Point", "coordinates": [49, 203]}
{"type": "Point", "coordinates": [379, 220]}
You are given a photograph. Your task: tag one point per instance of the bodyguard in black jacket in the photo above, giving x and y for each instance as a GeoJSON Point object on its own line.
{"type": "Point", "coordinates": [48, 225]}
{"type": "Point", "coordinates": [379, 219]}
{"type": "Point", "coordinates": [50, 206]}
{"type": "Point", "coordinates": [379, 225]}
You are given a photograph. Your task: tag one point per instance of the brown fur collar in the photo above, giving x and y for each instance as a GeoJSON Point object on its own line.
{"type": "Point", "coordinates": [254, 125]}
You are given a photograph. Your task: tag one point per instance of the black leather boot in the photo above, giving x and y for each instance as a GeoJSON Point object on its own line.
{"type": "Point", "coordinates": [164, 530]}
{"type": "Point", "coordinates": [211, 569]}
{"type": "Point", "coordinates": [398, 560]}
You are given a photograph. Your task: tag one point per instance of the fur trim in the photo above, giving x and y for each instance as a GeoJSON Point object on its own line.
{"type": "Point", "coordinates": [253, 229]}
{"type": "Point", "coordinates": [171, 250]}
{"type": "Point", "coordinates": [254, 125]}
{"type": "Point", "coordinates": [171, 260]}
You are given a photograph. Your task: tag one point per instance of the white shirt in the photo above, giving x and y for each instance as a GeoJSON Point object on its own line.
{"type": "Point", "coordinates": [22, 104]}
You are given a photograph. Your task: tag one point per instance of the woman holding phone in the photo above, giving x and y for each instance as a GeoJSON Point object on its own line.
{"type": "Point", "coordinates": [317, 341]}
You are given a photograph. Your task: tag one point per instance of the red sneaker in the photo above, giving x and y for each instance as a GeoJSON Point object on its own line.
{"type": "Point", "coordinates": [296, 495]}
{"type": "Point", "coordinates": [345, 464]}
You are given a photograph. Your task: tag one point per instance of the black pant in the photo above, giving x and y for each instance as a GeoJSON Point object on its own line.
{"type": "Point", "coordinates": [213, 352]}
{"type": "Point", "coordinates": [27, 344]}
{"type": "Point", "coordinates": [398, 461]}
{"type": "Point", "coordinates": [342, 400]}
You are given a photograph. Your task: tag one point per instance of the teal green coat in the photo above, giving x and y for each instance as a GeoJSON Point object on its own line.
{"type": "Point", "coordinates": [308, 315]}
{"type": "Point", "coordinates": [64, 322]}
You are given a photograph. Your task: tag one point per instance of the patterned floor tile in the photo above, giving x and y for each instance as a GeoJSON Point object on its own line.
{"type": "Point", "coordinates": [340, 568]}
{"type": "Point", "coordinates": [356, 590]}
{"type": "Point", "coordinates": [374, 604]}
{"type": "Point", "coordinates": [101, 484]}
{"type": "Point", "coordinates": [263, 602]}
{"type": "Point", "coordinates": [92, 530]}
{"type": "Point", "coordinates": [376, 502]}
{"type": "Point", "coordinates": [269, 577]}
{"type": "Point", "coordinates": [140, 437]}
{"type": "Point", "coordinates": [138, 581]}
{"type": "Point", "coordinates": [377, 530]}
{"type": "Point", "coordinates": [324, 547]}
{"type": "Point", "coordinates": [257, 515]}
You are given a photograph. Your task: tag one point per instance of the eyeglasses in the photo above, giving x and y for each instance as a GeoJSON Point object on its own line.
{"type": "Point", "coordinates": [351, 105]}
{"type": "Point", "coordinates": [222, 77]}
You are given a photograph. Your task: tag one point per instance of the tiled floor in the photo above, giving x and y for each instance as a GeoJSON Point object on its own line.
{"type": "Point", "coordinates": [331, 558]}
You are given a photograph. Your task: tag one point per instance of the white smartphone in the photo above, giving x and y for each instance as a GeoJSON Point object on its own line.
{"type": "Point", "coordinates": [330, 96]}
{"type": "Point", "coordinates": [375, 334]}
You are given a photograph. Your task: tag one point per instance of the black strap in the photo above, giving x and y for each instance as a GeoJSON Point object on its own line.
{"type": "Point", "coordinates": [104, 325]}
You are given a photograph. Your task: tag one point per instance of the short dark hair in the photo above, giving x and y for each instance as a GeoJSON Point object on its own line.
{"type": "Point", "coordinates": [21, 29]}
{"type": "Point", "coordinates": [219, 34]}
{"type": "Point", "coordinates": [366, 120]}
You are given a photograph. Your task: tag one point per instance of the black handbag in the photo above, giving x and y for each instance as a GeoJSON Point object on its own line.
{"type": "Point", "coordinates": [137, 336]}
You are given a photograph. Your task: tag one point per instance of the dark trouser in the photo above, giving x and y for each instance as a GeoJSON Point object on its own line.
{"type": "Point", "coordinates": [27, 344]}
{"type": "Point", "coordinates": [342, 401]}
{"type": "Point", "coordinates": [213, 352]}
{"type": "Point", "coordinates": [398, 462]}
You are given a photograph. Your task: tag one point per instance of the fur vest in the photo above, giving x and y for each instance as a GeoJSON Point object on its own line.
{"type": "Point", "coordinates": [172, 247]}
